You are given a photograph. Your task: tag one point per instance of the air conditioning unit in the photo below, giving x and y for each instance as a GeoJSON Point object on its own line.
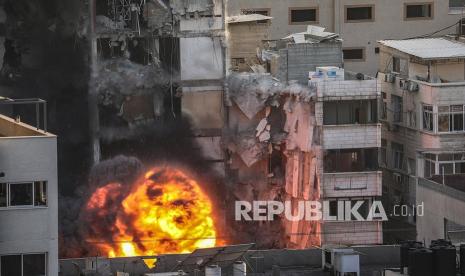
{"type": "Point", "coordinates": [398, 178]}
{"type": "Point", "coordinates": [391, 78]}
{"type": "Point", "coordinates": [413, 86]}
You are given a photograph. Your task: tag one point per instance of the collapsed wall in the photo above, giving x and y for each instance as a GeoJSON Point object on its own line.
{"type": "Point", "coordinates": [273, 144]}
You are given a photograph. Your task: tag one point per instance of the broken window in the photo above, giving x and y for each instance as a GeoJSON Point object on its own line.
{"type": "Point", "coordinates": [350, 160]}
{"type": "Point", "coordinates": [25, 264]}
{"type": "Point", "coordinates": [359, 13]}
{"type": "Point", "coordinates": [275, 164]}
{"type": "Point", "coordinates": [418, 11]}
{"type": "Point", "coordinates": [396, 103]}
{"type": "Point", "coordinates": [23, 194]}
{"type": "Point", "coordinates": [350, 112]}
{"type": "Point", "coordinates": [397, 155]}
{"type": "Point", "coordinates": [303, 15]}
{"type": "Point", "coordinates": [265, 12]}
{"type": "Point", "coordinates": [354, 54]}
{"type": "Point", "coordinates": [428, 118]}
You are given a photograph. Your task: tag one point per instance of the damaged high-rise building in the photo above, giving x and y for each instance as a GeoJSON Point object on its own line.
{"type": "Point", "coordinates": [178, 93]}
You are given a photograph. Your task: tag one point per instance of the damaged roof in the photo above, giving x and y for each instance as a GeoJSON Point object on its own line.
{"type": "Point", "coordinates": [428, 48]}
{"type": "Point", "coordinates": [314, 34]}
{"type": "Point", "coordinates": [246, 18]}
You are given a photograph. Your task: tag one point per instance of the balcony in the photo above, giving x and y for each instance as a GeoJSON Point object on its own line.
{"type": "Point", "coordinates": [352, 232]}
{"type": "Point", "coordinates": [352, 184]}
{"type": "Point", "coordinates": [347, 90]}
{"type": "Point", "coordinates": [352, 136]}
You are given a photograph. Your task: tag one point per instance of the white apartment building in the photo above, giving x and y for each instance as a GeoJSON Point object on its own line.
{"type": "Point", "coordinates": [423, 104]}
{"type": "Point", "coordinates": [346, 112]}
{"type": "Point", "coordinates": [360, 23]}
{"type": "Point", "coordinates": [28, 200]}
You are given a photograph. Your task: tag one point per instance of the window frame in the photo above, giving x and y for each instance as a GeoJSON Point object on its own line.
{"type": "Point", "coordinates": [431, 17]}
{"type": "Point", "coordinates": [398, 156]}
{"type": "Point", "coordinates": [397, 115]}
{"type": "Point", "coordinates": [431, 115]}
{"type": "Point", "coordinates": [363, 59]}
{"type": "Point", "coordinates": [33, 205]}
{"type": "Point", "coordinates": [317, 15]}
{"type": "Point", "coordinates": [10, 184]}
{"type": "Point", "coordinates": [450, 114]}
{"type": "Point", "coordinates": [22, 260]}
{"type": "Point", "coordinates": [373, 13]}
{"type": "Point", "coordinates": [455, 7]}
{"type": "Point", "coordinates": [435, 163]}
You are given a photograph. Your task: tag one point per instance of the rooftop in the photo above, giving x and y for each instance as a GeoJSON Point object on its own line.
{"type": "Point", "coordinates": [12, 128]}
{"type": "Point", "coordinates": [15, 128]}
{"type": "Point", "coordinates": [314, 34]}
{"type": "Point", "coordinates": [428, 48]}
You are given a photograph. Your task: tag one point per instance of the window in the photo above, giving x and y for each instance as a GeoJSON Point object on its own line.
{"type": "Point", "coordinates": [350, 112]}
{"type": "Point", "coordinates": [25, 264]}
{"type": "Point", "coordinates": [456, 3]}
{"type": "Point", "coordinates": [411, 118]}
{"type": "Point", "coordinates": [376, 50]}
{"type": "Point", "coordinates": [396, 64]}
{"type": "Point", "coordinates": [23, 194]}
{"type": "Point", "coordinates": [265, 12]}
{"type": "Point", "coordinates": [447, 163]}
{"type": "Point", "coordinates": [428, 118]}
{"type": "Point", "coordinates": [451, 118]}
{"type": "Point", "coordinates": [396, 105]}
{"type": "Point", "coordinates": [359, 13]}
{"type": "Point", "coordinates": [456, 118]}
{"type": "Point", "coordinates": [383, 152]}
{"type": "Point", "coordinates": [411, 166]}
{"type": "Point", "coordinates": [350, 160]}
{"type": "Point", "coordinates": [3, 195]}
{"type": "Point", "coordinates": [303, 15]}
{"type": "Point", "coordinates": [418, 11]}
{"type": "Point", "coordinates": [384, 106]}
{"type": "Point", "coordinates": [397, 155]}
{"type": "Point", "coordinates": [356, 54]}
{"type": "Point", "coordinates": [20, 194]}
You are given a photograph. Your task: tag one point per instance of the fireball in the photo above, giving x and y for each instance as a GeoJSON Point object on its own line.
{"type": "Point", "coordinates": [165, 211]}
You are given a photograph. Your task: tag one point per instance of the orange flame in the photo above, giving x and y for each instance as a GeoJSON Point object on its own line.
{"type": "Point", "coordinates": [164, 212]}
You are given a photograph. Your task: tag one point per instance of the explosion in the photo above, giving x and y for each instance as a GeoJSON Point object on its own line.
{"type": "Point", "coordinates": [165, 211]}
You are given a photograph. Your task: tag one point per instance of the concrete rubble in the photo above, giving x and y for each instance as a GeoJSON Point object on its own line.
{"type": "Point", "coordinates": [270, 120]}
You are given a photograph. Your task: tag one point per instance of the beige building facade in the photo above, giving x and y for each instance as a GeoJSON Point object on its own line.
{"type": "Point", "coordinates": [360, 23]}
{"type": "Point", "coordinates": [423, 97]}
